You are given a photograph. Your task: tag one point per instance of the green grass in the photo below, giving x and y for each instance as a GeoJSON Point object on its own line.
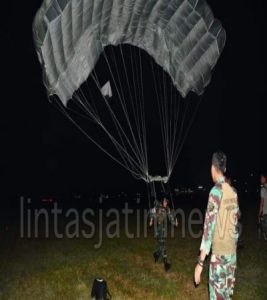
{"type": "Point", "coordinates": [65, 268]}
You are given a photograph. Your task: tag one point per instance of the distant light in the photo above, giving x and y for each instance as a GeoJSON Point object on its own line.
{"type": "Point", "coordinates": [251, 174]}
{"type": "Point", "coordinates": [200, 187]}
{"type": "Point", "coordinates": [47, 200]}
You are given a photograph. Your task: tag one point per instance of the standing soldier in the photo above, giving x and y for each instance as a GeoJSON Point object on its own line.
{"type": "Point", "coordinates": [159, 214]}
{"type": "Point", "coordinates": [220, 233]}
{"type": "Point", "coordinates": [263, 205]}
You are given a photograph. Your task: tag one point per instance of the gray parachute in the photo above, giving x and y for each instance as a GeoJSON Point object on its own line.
{"type": "Point", "coordinates": [181, 35]}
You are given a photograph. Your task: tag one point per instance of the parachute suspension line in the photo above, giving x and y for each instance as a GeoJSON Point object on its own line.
{"type": "Point", "coordinates": [115, 119]}
{"type": "Point", "coordinates": [138, 102]}
{"type": "Point", "coordinates": [123, 106]}
{"type": "Point", "coordinates": [165, 118]}
{"type": "Point", "coordinates": [169, 111]}
{"type": "Point", "coordinates": [134, 147]}
{"type": "Point", "coordinates": [84, 104]}
{"type": "Point", "coordinates": [125, 111]}
{"type": "Point", "coordinates": [89, 118]}
{"type": "Point", "coordinates": [123, 98]}
{"type": "Point", "coordinates": [163, 188]}
{"type": "Point", "coordinates": [142, 127]}
{"type": "Point", "coordinates": [173, 120]}
{"type": "Point", "coordinates": [177, 105]}
{"type": "Point", "coordinates": [143, 110]}
{"type": "Point", "coordinates": [120, 131]}
{"type": "Point", "coordinates": [143, 138]}
{"type": "Point", "coordinates": [170, 117]}
{"type": "Point", "coordinates": [116, 144]}
{"type": "Point", "coordinates": [64, 110]}
{"type": "Point", "coordinates": [136, 114]}
{"type": "Point", "coordinates": [188, 129]}
{"type": "Point", "coordinates": [180, 134]}
{"type": "Point", "coordinates": [127, 158]}
{"type": "Point", "coordinates": [135, 103]}
{"type": "Point", "coordinates": [160, 112]}
{"type": "Point", "coordinates": [123, 153]}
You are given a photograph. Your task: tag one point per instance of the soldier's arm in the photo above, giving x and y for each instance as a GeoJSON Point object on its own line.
{"type": "Point", "coordinates": [209, 227]}
{"type": "Point", "coordinates": [171, 217]}
{"type": "Point", "coordinates": [152, 215]}
{"type": "Point", "coordinates": [210, 221]}
{"type": "Point", "coordinates": [261, 203]}
{"type": "Point", "coordinates": [238, 214]}
{"type": "Point", "coordinates": [261, 207]}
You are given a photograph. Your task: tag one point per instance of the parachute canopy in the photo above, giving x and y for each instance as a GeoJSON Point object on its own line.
{"type": "Point", "coordinates": [155, 52]}
{"type": "Point", "coordinates": [181, 35]}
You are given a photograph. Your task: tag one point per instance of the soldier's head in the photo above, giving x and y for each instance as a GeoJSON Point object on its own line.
{"type": "Point", "coordinates": [165, 202]}
{"type": "Point", "coordinates": [218, 165]}
{"type": "Point", "coordinates": [263, 178]}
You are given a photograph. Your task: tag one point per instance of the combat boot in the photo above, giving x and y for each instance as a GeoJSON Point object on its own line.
{"type": "Point", "coordinates": [156, 256]}
{"type": "Point", "coordinates": [167, 265]}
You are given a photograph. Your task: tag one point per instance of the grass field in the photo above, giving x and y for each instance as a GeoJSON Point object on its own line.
{"type": "Point", "coordinates": [64, 268]}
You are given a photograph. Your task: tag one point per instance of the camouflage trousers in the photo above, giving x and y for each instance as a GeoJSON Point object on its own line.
{"type": "Point", "coordinates": [222, 277]}
{"type": "Point", "coordinates": [161, 239]}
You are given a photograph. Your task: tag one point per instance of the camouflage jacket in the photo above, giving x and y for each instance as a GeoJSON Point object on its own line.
{"type": "Point", "coordinates": [160, 214]}
{"type": "Point", "coordinates": [215, 197]}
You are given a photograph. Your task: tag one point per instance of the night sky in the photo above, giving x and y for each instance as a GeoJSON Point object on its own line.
{"type": "Point", "coordinates": [42, 152]}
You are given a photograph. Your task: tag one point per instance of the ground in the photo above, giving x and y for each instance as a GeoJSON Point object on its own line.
{"type": "Point", "coordinates": [49, 268]}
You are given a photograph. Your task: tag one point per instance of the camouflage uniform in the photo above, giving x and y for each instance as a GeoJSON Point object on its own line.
{"type": "Point", "coordinates": [159, 214]}
{"type": "Point", "coordinates": [222, 276]}
{"type": "Point", "coordinates": [264, 213]}
{"type": "Point", "coordinates": [222, 267]}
